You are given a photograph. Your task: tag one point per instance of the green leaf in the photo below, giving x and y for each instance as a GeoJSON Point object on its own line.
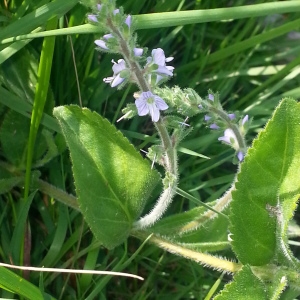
{"type": "Point", "coordinates": [112, 180]}
{"type": "Point", "coordinates": [245, 286]}
{"type": "Point", "coordinates": [268, 181]}
{"type": "Point", "coordinates": [8, 183]}
{"type": "Point", "coordinates": [14, 138]}
{"type": "Point", "coordinates": [192, 229]}
{"type": "Point", "coordinates": [37, 18]}
{"type": "Point", "coordinates": [16, 284]}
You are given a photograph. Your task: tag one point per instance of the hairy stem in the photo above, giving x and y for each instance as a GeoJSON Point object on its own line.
{"type": "Point", "coordinates": [201, 258]}
{"type": "Point", "coordinates": [170, 152]}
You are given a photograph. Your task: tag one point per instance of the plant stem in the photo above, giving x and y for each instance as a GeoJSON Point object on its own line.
{"type": "Point", "coordinates": [58, 194]}
{"type": "Point", "coordinates": [169, 149]}
{"type": "Point", "coordinates": [201, 258]}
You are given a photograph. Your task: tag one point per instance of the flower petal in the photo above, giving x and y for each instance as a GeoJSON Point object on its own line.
{"type": "Point", "coordinates": [108, 36]}
{"type": "Point", "coordinates": [207, 118]}
{"type": "Point", "coordinates": [92, 18]}
{"type": "Point", "coordinates": [101, 44]}
{"type": "Point", "coordinates": [229, 138]}
{"type": "Point", "coordinates": [118, 67]}
{"type": "Point", "coordinates": [168, 59]}
{"type": "Point", "coordinates": [164, 70]}
{"type": "Point", "coordinates": [159, 78]}
{"type": "Point", "coordinates": [225, 139]}
{"type": "Point", "coordinates": [245, 119]}
{"type": "Point", "coordinates": [159, 56]}
{"type": "Point", "coordinates": [117, 80]}
{"type": "Point", "coordinates": [160, 103]}
{"type": "Point", "coordinates": [231, 116]}
{"type": "Point", "coordinates": [128, 21]}
{"type": "Point", "coordinates": [240, 156]}
{"type": "Point", "coordinates": [154, 112]}
{"type": "Point", "coordinates": [142, 106]}
{"type": "Point", "coordinates": [138, 51]}
{"type": "Point", "coordinates": [214, 126]}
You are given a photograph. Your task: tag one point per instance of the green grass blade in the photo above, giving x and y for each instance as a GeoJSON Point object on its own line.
{"type": "Point", "coordinates": [24, 108]}
{"type": "Point", "coordinates": [16, 244]}
{"type": "Point", "coordinates": [271, 81]}
{"type": "Point", "coordinates": [13, 48]}
{"type": "Point", "coordinates": [36, 18]}
{"type": "Point", "coordinates": [170, 19]}
{"type": "Point", "coordinates": [40, 98]}
{"type": "Point", "coordinates": [180, 18]}
{"type": "Point", "coordinates": [14, 283]}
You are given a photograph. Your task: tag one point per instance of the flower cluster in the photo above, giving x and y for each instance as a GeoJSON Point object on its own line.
{"type": "Point", "coordinates": [120, 39]}
{"type": "Point", "coordinates": [217, 119]}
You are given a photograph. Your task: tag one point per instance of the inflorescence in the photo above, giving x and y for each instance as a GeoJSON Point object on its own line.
{"type": "Point", "coordinates": [120, 39]}
{"type": "Point", "coordinates": [148, 72]}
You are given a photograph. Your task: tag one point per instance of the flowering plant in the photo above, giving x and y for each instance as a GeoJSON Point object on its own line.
{"type": "Point", "coordinates": [170, 195]}
{"type": "Point", "coordinates": [261, 246]}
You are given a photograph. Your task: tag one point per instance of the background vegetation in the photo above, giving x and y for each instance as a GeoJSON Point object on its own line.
{"type": "Point", "coordinates": [253, 63]}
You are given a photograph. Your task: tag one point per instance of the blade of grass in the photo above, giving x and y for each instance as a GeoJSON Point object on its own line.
{"type": "Point", "coordinates": [36, 18]}
{"type": "Point", "coordinates": [16, 243]}
{"type": "Point", "coordinates": [120, 266]}
{"type": "Point", "coordinates": [281, 74]}
{"type": "Point", "coordinates": [12, 282]}
{"type": "Point", "coordinates": [14, 47]}
{"type": "Point", "coordinates": [170, 19]}
{"type": "Point", "coordinates": [24, 108]}
{"type": "Point", "coordinates": [246, 44]}
{"type": "Point", "coordinates": [40, 98]}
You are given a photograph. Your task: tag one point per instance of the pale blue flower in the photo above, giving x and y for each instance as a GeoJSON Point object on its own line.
{"type": "Point", "coordinates": [231, 116]}
{"type": "Point", "coordinates": [149, 103]}
{"type": "Point", "coordinates": [102, 43]}
{"type": "Point", "coordinates": [207, 118]}
{"type": "Point", "coordinates": [138, 51]}
{"type": "Point", "coordinates": [158, 58]}
{"type": "Point", "coordinates": [117, 68]}
{"type": "Point", "coordinates": [128, 21]}
{"type": "Point", "coordinates": [240, 155]}
{"type": "Point", "coordinates": [214, 126]}
{"type": "Point", "coordinates": [92, 18]}
{"type": "Point", "coordinates": [229, 138]}
{"type": "Point", "coordinates": [211, 97]}
{"type": "Point", "coordinates": [245, 119]}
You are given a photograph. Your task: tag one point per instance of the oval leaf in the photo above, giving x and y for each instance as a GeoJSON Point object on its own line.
{"type": "Point", "coordinates": [269, 173]}
{"type": "Point", "coordinates": [245, 286]}
{"type": "Point", "coordinates": [112, 179]}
